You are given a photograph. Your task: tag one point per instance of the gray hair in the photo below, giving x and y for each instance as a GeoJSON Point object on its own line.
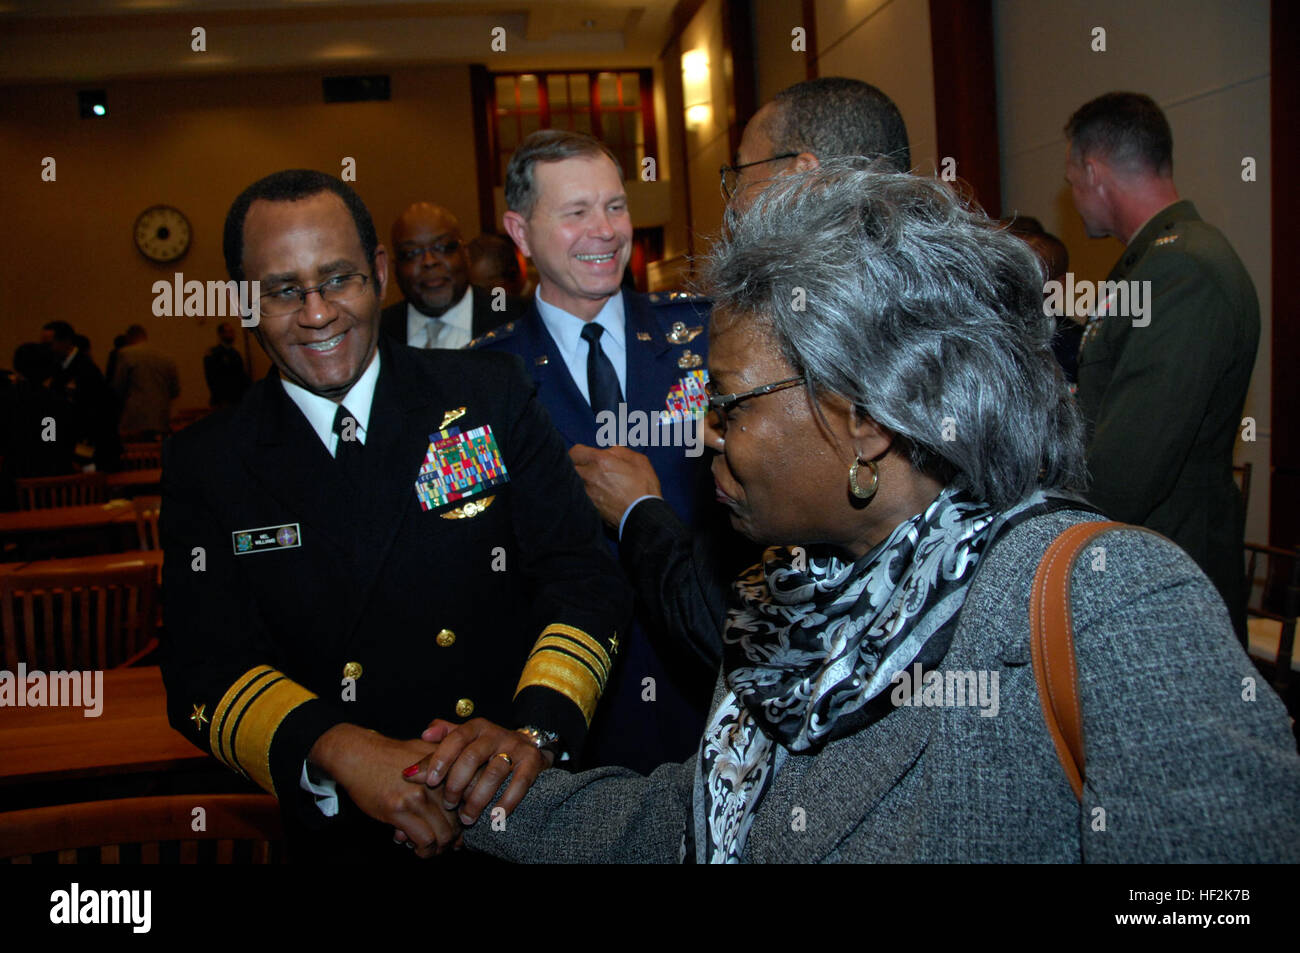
{"type": "Point", "coordinates": [920, 311]}
{"type": "Point", "coordinates": [837, 116]}
{"type": "Point", "coordinates": [546, 145]}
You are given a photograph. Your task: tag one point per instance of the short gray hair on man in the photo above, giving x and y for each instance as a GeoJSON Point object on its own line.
{"type": "Point", "coordinates": [546, 145]}
{"type": "Point", "coordinates": [920, 311]}
{"type": "Point", "coordinates": [837, 116]}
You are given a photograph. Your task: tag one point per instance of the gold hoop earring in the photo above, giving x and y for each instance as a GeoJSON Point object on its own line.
{"type": "Point", "coordinates": [860, 492]}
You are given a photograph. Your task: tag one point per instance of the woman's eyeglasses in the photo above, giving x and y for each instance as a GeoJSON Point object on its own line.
{"type": "Point", "coordinates": [719, 404]}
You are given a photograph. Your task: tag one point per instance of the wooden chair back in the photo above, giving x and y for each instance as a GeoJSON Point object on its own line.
{"type": "Point", "coordinates": [237, 828]}
{"type": "Point", "coordinates": [1240, 473]}
{"type": "Point", "coordinates": [147, 509]}
{"type": "Point", "coordinates": [142, 456]}
{"type": "Point", "coordinates": [75, 619]}
{"type": "Point", "coordinates": [42, 493]}
{"type": "Point", "coordinates": [1272, 606]}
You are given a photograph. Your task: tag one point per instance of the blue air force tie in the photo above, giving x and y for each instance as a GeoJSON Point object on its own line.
{"type": "Point", "coordinates": [603, 392]}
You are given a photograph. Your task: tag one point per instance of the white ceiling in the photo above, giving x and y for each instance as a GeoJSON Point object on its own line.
{"type": "Point", "coordinates": [92, 40]}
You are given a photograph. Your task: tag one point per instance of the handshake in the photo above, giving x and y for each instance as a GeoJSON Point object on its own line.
{"type": "Point", "coordinates": [429, 788]}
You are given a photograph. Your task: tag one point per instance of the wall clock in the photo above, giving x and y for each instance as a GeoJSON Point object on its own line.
{"type": "Point", "coordinates": [162, 233]}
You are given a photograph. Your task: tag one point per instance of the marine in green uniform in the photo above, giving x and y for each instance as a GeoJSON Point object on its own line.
{"type": "Point", "coordinates": [1163, 367]}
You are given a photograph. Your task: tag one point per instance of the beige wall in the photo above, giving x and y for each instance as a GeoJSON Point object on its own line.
{"type": "Point", "coordinates": [1206, 62]}
{"type": "Point", "coordinates": [708, 147]}
{"type": "Point", "coordinates": [67, 252]}
{"type": "Point", "coordinates": [885, 43]}
{"type": "Point", "coordinates": [776, 64]}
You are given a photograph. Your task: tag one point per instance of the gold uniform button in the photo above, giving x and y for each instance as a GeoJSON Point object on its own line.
{"type": "Point", "coordinates": [464, 708]}
{"type": "Point", "coordinates": [446, 638]}
{"type": "Point", "coordinates": [352, 670]}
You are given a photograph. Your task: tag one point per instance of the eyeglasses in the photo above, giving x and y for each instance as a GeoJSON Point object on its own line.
{"type": "Point", "coordinates": [287, 301]}
{"type": "Point", "coordinates": [719, 404]}
{"type": "Point", "coordinates": [731, 173]}
{"type": "Point", "coordinates": [411, 253]}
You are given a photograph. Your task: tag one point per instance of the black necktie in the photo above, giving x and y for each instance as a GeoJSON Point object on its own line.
{"type": "Point", "coordinates": [348, 453]}
{"type": "Point", "coordinates": [602, 382]}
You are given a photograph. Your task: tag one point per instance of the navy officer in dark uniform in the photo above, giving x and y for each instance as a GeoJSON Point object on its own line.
{"type": "Point", "coordinates": [615, 369]}
{"type": "Point", "coordinates": [376, 536]}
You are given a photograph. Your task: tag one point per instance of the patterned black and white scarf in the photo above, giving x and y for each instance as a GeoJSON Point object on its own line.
{"type": "Point", "coordinates": [815, 642]}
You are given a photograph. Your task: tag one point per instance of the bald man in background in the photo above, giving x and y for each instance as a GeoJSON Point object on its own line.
{"type": "Point", "coordinates": [439, 308]}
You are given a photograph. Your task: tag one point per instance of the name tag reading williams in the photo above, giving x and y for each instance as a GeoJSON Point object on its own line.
{"type": "Point", "coordinates": [266, 538]}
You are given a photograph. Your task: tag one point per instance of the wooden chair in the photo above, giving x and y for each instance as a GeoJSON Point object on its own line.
{"type": "Point", "coordinates": [40, 493]}
{"type": "Point", "coordinates": [1241, 474]}
{"type": "Point", "coordinates": [73, 619]}
{"type": "Point", "coordinates": [1273, 603]}
{"type": "Point", "coordinates": [147, 509]}
{"type": "Point", "coordinates": [142, 456]}
{"type": "Point", "coordinates": [238, 828]}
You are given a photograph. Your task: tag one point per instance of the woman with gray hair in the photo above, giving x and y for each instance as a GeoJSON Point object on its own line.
{"type": "Point", "coordinates": [887, 415]}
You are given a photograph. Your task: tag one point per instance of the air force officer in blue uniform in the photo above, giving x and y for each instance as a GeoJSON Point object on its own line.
{"type": "Point", "coordinates": [613, 367]}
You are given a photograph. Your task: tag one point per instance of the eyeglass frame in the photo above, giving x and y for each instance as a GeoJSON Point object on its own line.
{"type": "Point", "coordinates": [719, 403]}
{"type": "Point", "coordinates": [723, 170]}
{"type": "Point", "coordinates": [302, 293]}
{"type": "Point", "coordinates": [439, 250]}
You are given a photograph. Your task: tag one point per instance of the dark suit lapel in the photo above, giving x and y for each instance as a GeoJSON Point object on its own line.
{"type": "Point", "coordinates": [291, 464]}
{"type": "Point", "coordinates": [396, 439]}
{"type": "Point", "coordinates": [651, 371]}
{"type": "Point", "coordinates": [392, 321]}
{"type": "Point", "coordinates": [569, 411]}
{"type": "Point", "coordinates": [481, 319]}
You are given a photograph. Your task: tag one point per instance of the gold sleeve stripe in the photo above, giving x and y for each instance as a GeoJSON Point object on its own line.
{"type": "Point", "coordinates": [577, 651]}
{"type": "Point", "coordinates": [247, 719]}
{"type": "Point", "coordinates": [583, 639]}
{"type": "Point", "coordinates": [564, 673]}
{"type": "Point", "coordinates": [234, 694]}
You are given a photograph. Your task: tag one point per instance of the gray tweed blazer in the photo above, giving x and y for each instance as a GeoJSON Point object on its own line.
{"type": "Point", "coordinates": [1189, 753]}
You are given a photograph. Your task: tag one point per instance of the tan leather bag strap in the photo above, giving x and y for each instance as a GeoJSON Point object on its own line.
{"type": "Point", "coordinates": [1051, 645]}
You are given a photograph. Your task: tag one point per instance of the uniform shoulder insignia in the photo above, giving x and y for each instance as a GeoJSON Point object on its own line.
{"type": "Point", "coordinates": [681, 334]}
{"type": "Point", "coordinates": [502, 332]}
{"type": "Point", "coordinates": [662, 298]}
{"type": "Point", "coordinates": [1165, 240]}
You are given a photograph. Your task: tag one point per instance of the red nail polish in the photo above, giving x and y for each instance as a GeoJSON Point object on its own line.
{"type": "Point", "coordinates": [413, 769]}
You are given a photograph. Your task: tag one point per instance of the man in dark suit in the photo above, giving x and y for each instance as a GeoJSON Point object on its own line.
{"type": "Point", "coordinates": [223, 369]}
{"type": "Point", "coordinates": [439, 308]}
{"type": "Point", "coordinates": [614, 368]}
{"type": "Point", "coordinates": [1163, 390]}
{"type": "Point", "coordinates": [374, 537]}
{"type": "Point", "coordinates": [79, 381]}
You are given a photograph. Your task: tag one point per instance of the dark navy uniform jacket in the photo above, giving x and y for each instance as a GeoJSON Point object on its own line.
{"type": "Point", "coordinates": [504, 603]}
{"type": "Point", "coordinates": [667, 339]}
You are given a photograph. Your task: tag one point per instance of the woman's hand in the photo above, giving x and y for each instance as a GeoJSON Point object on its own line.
{"type": "Point", "coordinates": [469, 763]}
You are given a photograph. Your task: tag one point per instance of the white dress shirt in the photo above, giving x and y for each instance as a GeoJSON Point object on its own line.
{"type": "Point", "coordinates": [320, 411]}
{"type": "Point", "coordinates": [567, 330]}
{"type": "Point", "coordinates": [454, 329]}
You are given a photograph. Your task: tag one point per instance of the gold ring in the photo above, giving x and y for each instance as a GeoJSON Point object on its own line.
{"type": "Point", "coordinates": [509, 760]}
